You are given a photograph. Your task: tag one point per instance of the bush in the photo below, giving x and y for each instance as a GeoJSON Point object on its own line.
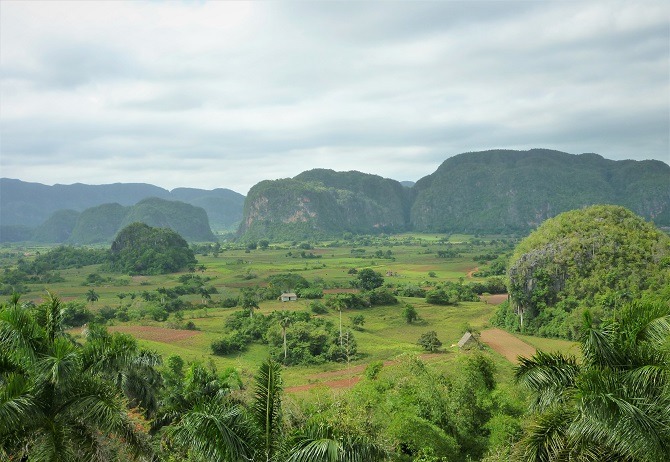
{"type": "Point", "coordinates": [318, 308]}
{"type": "Point", "coordinates": [310, 293]}
{"type": "Point", "coordinates": [233, 343]}
{"type": "Point", "coordinates": [229, 302]}
{"type": "Point", "coordinates": [429, 341]}
{"type": "Point", "coordinates": [441, 297]}
{"type": "Point", "coordinates": [106, 313]}
{"type": "Point", "coordinates": [76, 314]}
{"type": "Point", "coordinates": [382, 296]}
{"type": "Point", "coordinates": [410, 314]}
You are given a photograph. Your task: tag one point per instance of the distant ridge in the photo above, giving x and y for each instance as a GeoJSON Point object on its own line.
{"type": "Point", "coordinates": [31, 204]}
{"type": "Point", "coordinates": [514, 191]}
{"type": "Point", "coordinates": [496, 191]}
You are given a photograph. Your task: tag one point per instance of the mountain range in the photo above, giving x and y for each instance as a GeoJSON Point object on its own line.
{"type": "Point", "coordinates": [497, 191]}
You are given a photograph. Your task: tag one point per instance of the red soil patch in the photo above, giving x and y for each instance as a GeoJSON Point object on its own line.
{"type": "Point", "coordinates": [355, 373]}
{"type": "Point", "coordinates": [496, 299]}
{"type": "Point", "coordinates": [506, 344]}
{"type": "Point", "coordinates": [155, 334]}
{"type": "Point", "coordinates": [472, 271]}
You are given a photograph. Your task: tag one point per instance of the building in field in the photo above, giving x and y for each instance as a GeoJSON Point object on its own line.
{"type": "Point", "coordinates": [288, 297]}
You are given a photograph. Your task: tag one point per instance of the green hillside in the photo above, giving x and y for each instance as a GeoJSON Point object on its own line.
{"type": "Point", "coordinates": [597, 258]}
{"type": "Point", "coordinates": [324, 203]}
{"type": "Point", "coordinates": [515, 191]}
{"type": "Point", "coordinates": [100, 224]}
{"type": "Point", "coordinates": [189, 221]}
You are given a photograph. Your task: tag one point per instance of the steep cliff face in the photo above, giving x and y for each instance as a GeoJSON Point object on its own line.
{"type": "Point", "coordinates": [324, 203]}
{"type": "Point", "coordinates": [515, 191]}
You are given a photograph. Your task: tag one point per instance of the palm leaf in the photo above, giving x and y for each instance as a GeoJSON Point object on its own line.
{"type": "Point", "coordinates": [213, 431]}
{"type": "Point", "coordinates": [267, 404]}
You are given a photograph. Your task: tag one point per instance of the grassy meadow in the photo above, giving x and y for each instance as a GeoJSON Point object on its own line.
{"type": "Point", "coordinates": [407, 259]}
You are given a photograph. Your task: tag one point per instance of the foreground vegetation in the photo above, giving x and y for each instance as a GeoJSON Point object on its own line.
{"type": "Point", "coordinates": [218, 368]}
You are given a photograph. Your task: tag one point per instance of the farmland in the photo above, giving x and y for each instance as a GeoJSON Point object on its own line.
{"type": "Point", "coordinates": [404, 260]}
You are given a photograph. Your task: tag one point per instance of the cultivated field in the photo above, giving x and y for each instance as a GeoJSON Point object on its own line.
{"type": "Point", "coordinates": [409, 259]}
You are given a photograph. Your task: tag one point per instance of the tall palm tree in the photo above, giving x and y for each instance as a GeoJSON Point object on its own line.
{"type": "Point", "coordinates": [284, 322]}
{"type": "Point", "coordinates": [92, 296]}
{"type": "Point", "coordinates": [51, 407]}
{"type": "Point", "coordinates": [615, 403]}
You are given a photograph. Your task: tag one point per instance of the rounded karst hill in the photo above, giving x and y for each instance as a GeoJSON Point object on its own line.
{"type": "Point", "coordinates": [598, 257]}
{"type": "Point", "coordinates": [141, 249]}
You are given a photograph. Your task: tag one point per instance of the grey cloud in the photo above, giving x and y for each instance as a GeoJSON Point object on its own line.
{"type": "Point", "coordinates": [391, 88]}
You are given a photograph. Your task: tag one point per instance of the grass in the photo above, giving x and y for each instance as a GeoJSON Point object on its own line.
{"type": "Point", "coordinates": [385, 335]}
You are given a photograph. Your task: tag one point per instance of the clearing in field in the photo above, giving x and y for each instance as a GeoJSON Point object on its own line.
{"type": "Point", "coordinates": [155, 334]}
{"type": "Point", "coordinates": [506, 344]}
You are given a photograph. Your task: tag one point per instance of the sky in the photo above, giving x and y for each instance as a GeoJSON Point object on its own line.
{"type": "Point", "coordinates": [227, 94]}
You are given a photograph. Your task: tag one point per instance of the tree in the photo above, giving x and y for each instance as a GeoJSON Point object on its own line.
{"type": "Point", "coordinates": [430, 342]}
{"type": "Point", "coordinates": [92, 296]}
{"type": "Point", "coordinates": [284, 322]}
{"type": "Point", "coordinates": [204, 294]}
{"type": "Point", "coordinates": [410, 314]}
{"type": "Point", "coordinates": [53, 404]}
{"type": "Point", "coordinates": [250, 300]}
{"type": "Point", "coordinates": [358, 321]}
{"type": "Point", "coordinates": [368, 279]}
{"type": "Point", "coordinates": [615, 403]}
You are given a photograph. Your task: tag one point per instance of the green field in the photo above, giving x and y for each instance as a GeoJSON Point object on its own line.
{"type": "Point", "coordinates": [408, 259]}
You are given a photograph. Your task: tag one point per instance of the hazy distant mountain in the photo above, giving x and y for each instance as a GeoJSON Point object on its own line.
{"type": "Point", "coordinates": [57, 228]}
{"type": "Point", "coordinates": [407, 184]}
{"type": "Point", "coordinates": [100, 224]}
{"type": "Point", "coordinates": [31, 204]}
{"type": "Point", "coordinates": [223, 206]}
{"type": "Point", "coordinates": [514, 191]}
{"type": "Point", "coordinates": [322, 203]}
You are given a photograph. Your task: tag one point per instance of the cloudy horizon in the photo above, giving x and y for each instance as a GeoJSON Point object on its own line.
{"type": "Point", "coordinates": [227, 94]}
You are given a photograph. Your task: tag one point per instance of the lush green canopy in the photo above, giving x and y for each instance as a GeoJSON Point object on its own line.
{"type": "Point", "coordinates": [597, 257]}
{"type": "Point", "coordinates": [141, 249]}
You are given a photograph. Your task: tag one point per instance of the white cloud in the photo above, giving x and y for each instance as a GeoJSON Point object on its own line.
{"type": "Point", "coordinates": [226, 94]}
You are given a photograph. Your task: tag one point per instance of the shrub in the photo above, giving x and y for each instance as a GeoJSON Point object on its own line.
{"type": "Point", "coordinates": [318, 308]}
{"type": "Point", "coordinates": [382, 296]}
{"type": "Point", "coordinates": [429, 341]}
{"type": "Point", "coordinates": [233, 343]}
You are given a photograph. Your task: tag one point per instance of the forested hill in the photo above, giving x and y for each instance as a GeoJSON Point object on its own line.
{"type": "Point", "coordinates": [101, 224]}
{"type": "Point", "coordinates": [31, 204]}
{"type": "Point", "coordinates": [325, 203]}
{"type": "Point", "coordinates": [497, 191]}
{"type": "Point", "coordinates": [515, 191]}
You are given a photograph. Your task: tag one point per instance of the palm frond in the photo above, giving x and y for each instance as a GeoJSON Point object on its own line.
{"type": "Point", "coordinates": [546, 440]}
{"type": "Point", "coordinates": [18, 404]}
{"type": "Point", "coordinates": [267, 403]}
{"type": "Point", "coordinates": [550, 376]}
{"type": "Point", "coordinates": [213, 431]}
{"type": "Point", "coordinates": [315, 443]}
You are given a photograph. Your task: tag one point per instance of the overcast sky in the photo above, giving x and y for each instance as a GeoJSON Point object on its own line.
{"type": "Point", "coordinates": [225, 94]}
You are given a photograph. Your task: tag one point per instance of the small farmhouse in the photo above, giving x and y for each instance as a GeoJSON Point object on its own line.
{"type": "Point", "coordinates": [288, 297]}
{"type": "Point", "coordinates": [467, 341]}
